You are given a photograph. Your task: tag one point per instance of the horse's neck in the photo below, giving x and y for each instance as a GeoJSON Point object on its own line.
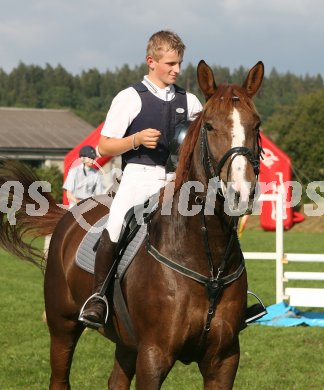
{"type": "Point", "coordinates": [187, 217]}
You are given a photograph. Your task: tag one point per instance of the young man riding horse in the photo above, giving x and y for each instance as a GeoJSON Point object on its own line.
{"type": "Point", "coordinates": [140, 125]}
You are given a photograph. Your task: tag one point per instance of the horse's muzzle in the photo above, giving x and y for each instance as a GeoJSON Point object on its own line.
{"type": "Point", "coordinates": [238, 203]}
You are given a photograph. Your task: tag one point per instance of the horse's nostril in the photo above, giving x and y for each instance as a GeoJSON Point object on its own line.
{"type": "Point", "coordinates": [236, 199]}
{"type": "Point", "coordinates": [233, 195]}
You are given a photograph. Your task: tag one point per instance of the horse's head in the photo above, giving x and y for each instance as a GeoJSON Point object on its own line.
{"type": "Point", "coordinates": [229, 137]}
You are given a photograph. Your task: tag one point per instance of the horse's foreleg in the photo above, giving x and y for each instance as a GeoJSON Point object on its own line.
{"type": "Point", "coordinates": [219, 372]}
{"type": "Point", "coordinates": [152, 366]}
{"type": "Point", "coordinates": [124, 369]}
{"type": "Point", "coordinates": [64, 337]}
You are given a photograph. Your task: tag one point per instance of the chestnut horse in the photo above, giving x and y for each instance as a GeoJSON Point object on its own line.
{"type": "Point", "coordinates": [191, 304]}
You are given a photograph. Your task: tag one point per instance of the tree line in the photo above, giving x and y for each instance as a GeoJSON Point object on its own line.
{"type": "Point", "coordinates": [90, 93]}
{"type": "Point", "coordinates": [291, 106]}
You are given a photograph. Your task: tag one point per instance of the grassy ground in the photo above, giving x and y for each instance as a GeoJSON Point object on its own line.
{"type": "Point", "coordinates": [271, 358]}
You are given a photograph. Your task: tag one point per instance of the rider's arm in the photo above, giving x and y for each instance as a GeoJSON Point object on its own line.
{"type": "Point", "coordinates": [71, 198]}
{"type": "Point", "coordinates": [194, 106]}
{"type": "Point", "coordinates": [116, 146]}
{"type": "Point", "coordinates": [69, 185]}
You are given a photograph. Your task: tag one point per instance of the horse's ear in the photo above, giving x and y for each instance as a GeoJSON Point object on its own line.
{"type": "Point", "coordinates": [254, 79]}
{"type": "Point", "coordinates": [206, 79]}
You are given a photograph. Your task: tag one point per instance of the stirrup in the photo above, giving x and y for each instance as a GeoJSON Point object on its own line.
{"type": "Point", "coordinates": [91, 324]}
{"type": "Point", "coordinates": [255, 311]}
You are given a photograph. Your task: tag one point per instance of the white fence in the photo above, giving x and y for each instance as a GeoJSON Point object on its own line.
{"type": "Point", "coordinates": [308, 297]}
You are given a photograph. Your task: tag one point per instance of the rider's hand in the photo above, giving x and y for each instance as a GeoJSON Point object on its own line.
{"type": "Point", "coordinates": [148, 138]}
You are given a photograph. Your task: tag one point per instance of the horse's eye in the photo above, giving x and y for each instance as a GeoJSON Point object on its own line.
{"type": "Point", "coordinates": [208, 126]}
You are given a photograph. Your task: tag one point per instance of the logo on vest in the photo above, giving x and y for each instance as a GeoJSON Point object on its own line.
{"type": "Point", "coordinates": [180, 110]}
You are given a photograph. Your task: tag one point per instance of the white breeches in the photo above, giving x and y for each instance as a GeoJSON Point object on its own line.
{"type": "Point", "coordinates": [138, 183]}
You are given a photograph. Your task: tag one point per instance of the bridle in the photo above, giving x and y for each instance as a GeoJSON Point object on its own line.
{"type": "Point", "coordinates": [218, 279]}
{"type": "Point", "coordinates": [213, 168]}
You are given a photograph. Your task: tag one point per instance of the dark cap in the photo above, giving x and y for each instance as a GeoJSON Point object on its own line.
{"type": "Point", "coordinates": [88, 151]}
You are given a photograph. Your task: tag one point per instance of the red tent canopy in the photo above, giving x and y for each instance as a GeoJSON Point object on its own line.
{"type": "Point", "coordinates": [73, 155]}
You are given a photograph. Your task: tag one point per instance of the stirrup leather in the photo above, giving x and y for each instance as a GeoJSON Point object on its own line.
{"type": "Point", "coordinates": [101, 298]}
{"type": "Point", "coordinates": [255, 311]}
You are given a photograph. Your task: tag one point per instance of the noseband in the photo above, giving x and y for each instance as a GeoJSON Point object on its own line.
{"type": "Point", "coordinates": [213, 168]}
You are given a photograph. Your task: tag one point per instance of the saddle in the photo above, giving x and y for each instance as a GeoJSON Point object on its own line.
{"type": "Point", "coordinates": [131, 225]}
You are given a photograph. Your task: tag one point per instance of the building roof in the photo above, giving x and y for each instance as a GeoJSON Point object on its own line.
{"type": "Point", "coordinates": [45, 129]}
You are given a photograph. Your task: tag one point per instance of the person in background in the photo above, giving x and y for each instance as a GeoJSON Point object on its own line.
{"type": "Point", "coordinates": [140, 126]}
{"type": "Point", "coordinates": [83, 180]}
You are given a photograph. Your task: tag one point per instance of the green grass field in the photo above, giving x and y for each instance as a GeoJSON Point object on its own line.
{"type": "Point", "coordinates": [271, 358]}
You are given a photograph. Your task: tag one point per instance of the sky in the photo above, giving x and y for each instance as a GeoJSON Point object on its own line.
{"type": "Point", "coordinates": [80, 35]}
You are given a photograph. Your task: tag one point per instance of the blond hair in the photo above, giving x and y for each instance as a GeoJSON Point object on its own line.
{"type": "Point", "coordinates": [163, 41]}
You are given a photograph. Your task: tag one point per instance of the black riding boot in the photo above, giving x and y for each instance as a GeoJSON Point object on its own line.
{"type": "Point", "coordinates": [95, 310]}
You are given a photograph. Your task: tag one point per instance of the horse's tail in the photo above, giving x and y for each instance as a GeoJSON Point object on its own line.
{"type": "Point", "coordinates": [21, 217]}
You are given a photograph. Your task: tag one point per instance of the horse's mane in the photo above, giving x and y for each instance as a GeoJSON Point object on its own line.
{"type": "Point", "coordinates": [186, 151]}
{"type": "Point", "coordinates": [222, 101]}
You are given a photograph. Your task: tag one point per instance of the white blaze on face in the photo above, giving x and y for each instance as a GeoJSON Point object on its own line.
{"type": "Point", "coordinates": [238, 167]}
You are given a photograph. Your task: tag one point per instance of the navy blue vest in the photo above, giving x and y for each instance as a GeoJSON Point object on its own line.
{"type": "Point", "coordinates": [160, 115]}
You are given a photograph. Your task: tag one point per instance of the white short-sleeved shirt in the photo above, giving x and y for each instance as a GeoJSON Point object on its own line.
{"type": "Point", "coordinates": [127, 105]}
{"type": "Point", "coordinates": [83, 182]}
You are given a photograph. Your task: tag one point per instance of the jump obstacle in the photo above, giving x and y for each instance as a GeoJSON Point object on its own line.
{"type": "Point", "coordinates": [305, 297]}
